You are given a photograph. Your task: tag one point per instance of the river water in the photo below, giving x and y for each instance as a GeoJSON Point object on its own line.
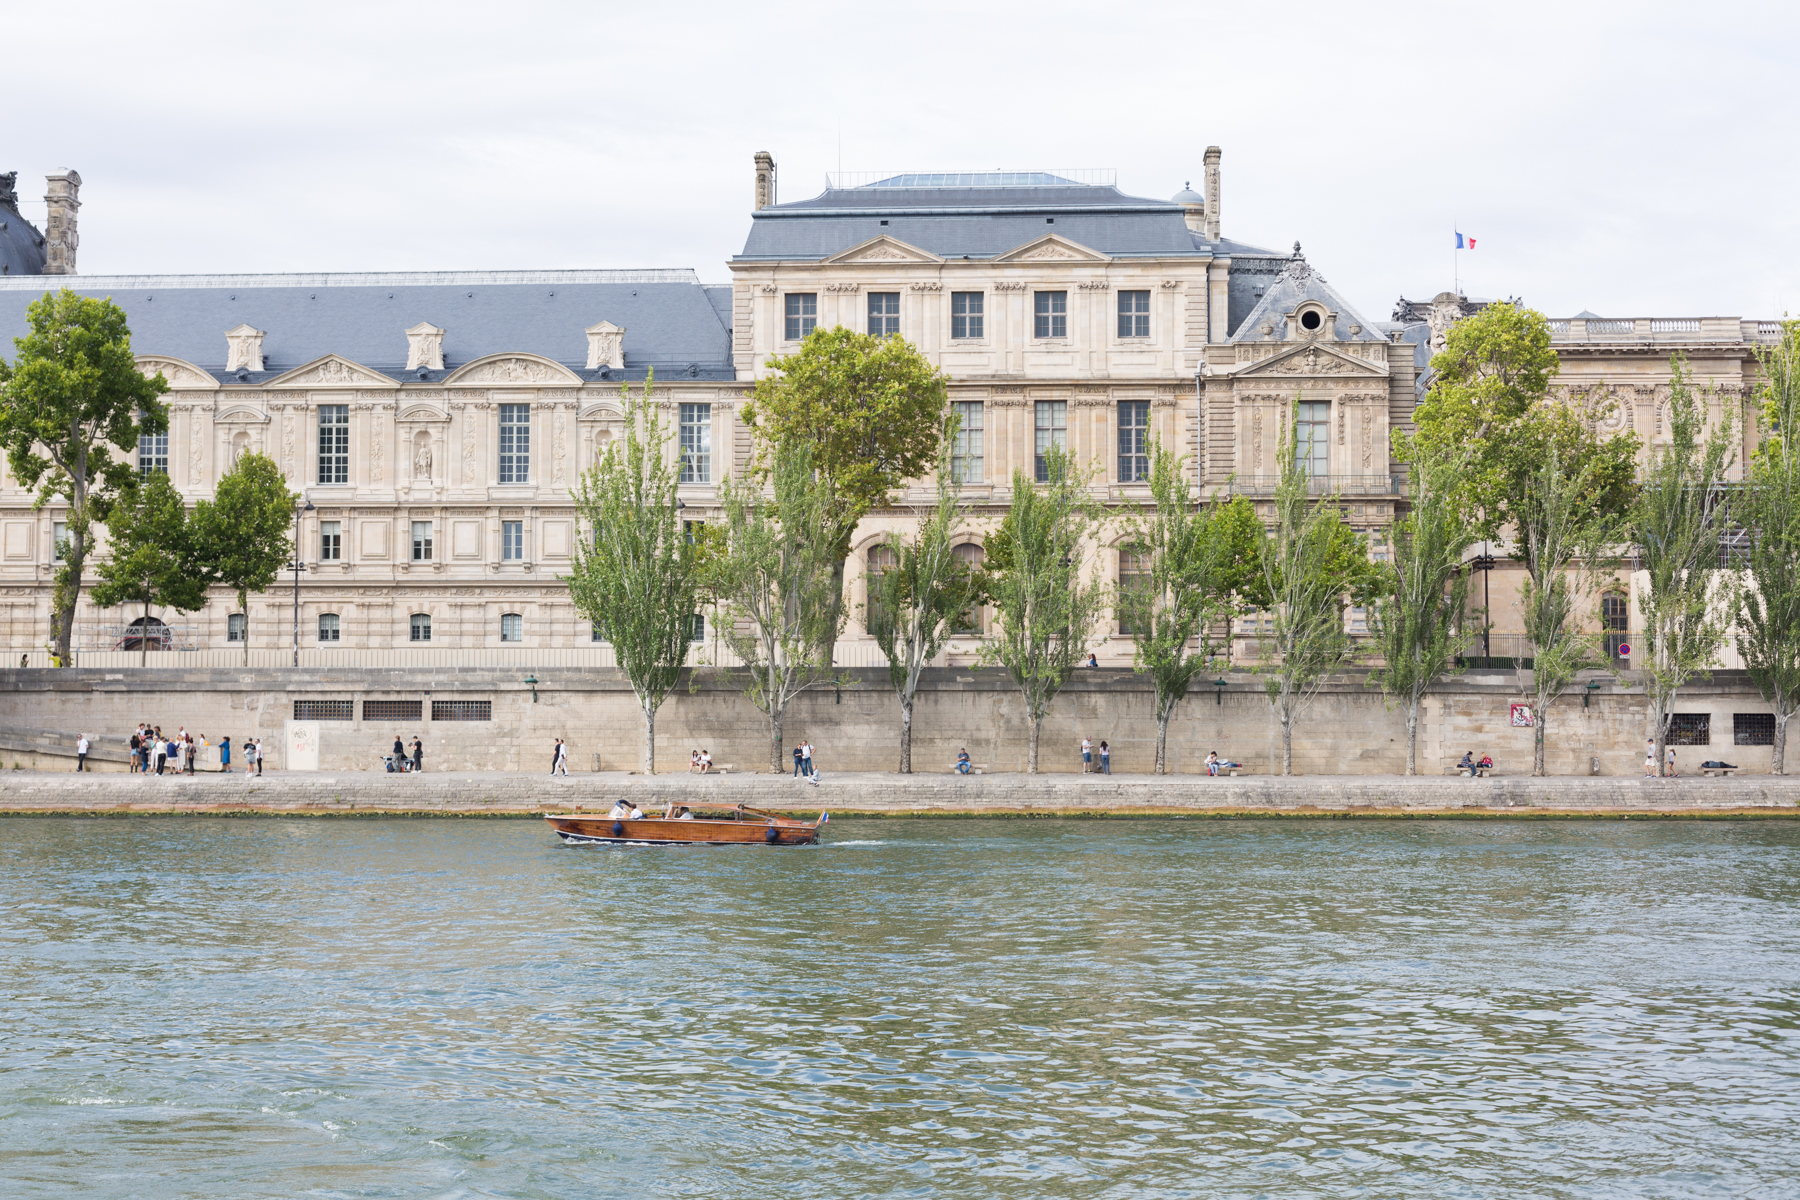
{"type": "Point", "coordinates": [918, 1008]}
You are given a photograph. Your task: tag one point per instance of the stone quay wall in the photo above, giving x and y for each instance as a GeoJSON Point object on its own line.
{"type": "Point", "coordinates": [1348, 730]}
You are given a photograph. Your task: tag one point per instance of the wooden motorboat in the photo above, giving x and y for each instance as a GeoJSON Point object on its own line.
{"type": "Point", "coordinates": [705, 825]}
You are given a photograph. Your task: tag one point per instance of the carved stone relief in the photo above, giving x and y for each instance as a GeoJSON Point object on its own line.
{"type": "Point", "coordinates": [510, 370]}
{"type": "Point", "coordinates": [243, 349]}
{"type": "Point", "coordinates": [1006, 286]}
{"type": "Point", "coordinates": [559, 448]}
{"type": "Point", "coordinates": [1368, 435]}
{"type": "Point", "coordinates": [177, 374]}
{"type": "Point", "coordinates": [606, 346]}
{"type": "Point", "coordinates": [425, 347]}
{"type": "Point", "coordinates": [377, 435]}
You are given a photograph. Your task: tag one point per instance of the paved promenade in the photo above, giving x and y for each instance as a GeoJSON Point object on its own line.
{"type": "Point", "coordinates": [511, 794]}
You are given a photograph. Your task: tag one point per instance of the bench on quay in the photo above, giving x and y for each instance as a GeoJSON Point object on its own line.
{"type": "Point", "coordinates": [974, 769]}
{"type": "Point", "coordinates": [1719, 772]}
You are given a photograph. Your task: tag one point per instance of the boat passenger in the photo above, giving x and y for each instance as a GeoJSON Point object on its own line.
{"type": "Point", "coordinates": [684, 815]}
{"type": "Point", "coordinates": [637, 814]}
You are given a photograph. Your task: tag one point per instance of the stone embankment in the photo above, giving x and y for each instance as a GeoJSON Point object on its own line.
{"type": "Point", "coordinates": [517, 794]}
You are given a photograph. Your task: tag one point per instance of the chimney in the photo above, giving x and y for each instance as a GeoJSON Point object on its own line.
{"type": "Point", "coordinates": [765, 180]}
{"type": "Point", "coordinates": [1212, 193]}
{"type": "Point", "coordinates": [59, 231]}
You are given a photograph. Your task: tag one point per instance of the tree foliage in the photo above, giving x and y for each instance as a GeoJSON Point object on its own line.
{"type": "Point", "coordinates": [1046, 602]}
{"type": "Point", "coordinates": [71, 398]}
{"type": "Point", "coordinates": [243, 536]}
{"type": "Point", "coordinates": [1195, 561]}
{"type": "Point", "coordinates": [152, 556]}
{"type": "Point", "coordinates": [638, 578]}
{"type": "Point", "coordinates": [1769, 615]}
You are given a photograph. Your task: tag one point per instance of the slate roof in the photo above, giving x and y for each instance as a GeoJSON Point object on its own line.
{"type": "Point", "coordinates": [672, 322]}
{"type": "Point", "coordinates": [973, 222]}
{"type": "Point", "coordinates": [21, 245]}
{"type": "Point", "coordinates": [1298, 282]}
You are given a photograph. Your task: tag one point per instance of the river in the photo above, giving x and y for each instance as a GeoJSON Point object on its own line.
{"type": "Point", "coordinates": [969, 1008]}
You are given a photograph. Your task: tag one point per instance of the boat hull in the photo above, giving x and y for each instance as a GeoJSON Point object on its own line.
{"type": "Point", "coordinates": [663, 831]}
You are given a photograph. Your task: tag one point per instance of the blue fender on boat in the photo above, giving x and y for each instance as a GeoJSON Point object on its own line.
{"type": "Point", "coordinates": [618, 829]}
{"type": "Point", "coordinates": [772, 836]}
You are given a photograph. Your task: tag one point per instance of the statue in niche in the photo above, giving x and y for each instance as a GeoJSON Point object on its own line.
{"type": "Point", "coordinates": [422, 461]}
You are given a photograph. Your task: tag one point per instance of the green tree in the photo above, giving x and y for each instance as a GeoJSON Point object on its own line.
{"type": "Point", "coordinates": [1418, 614]}
{"type": "Point", "coordinates": [1679, 517]}
{"type": "Point", "coordinates": [870, 408]}
{"type": "Point", "coordinates": [1562, 535]}
{"type": "Point", "coordinates": [1193, 560]}
{"type": "Point", "coordinates": [776, 580]}
{"type": "Point", "coordinates": [242, 538]}
{"type": "Point", "coordinates": [1769, 616]}
{"type": "Point", "coordinates": [72, 397]}
{"type": "Point", "coordinates": [1045, 604]}
{"type": "Point", "coordinates": [151, 557]}
{"type": "Point", "coordinates": [639, 579]}
{"type": "Point", "coordinates": [917, 598]}
{"type": "Point", "coordinates": [1309, 564]}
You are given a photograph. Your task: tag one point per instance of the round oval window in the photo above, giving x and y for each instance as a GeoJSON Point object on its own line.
{"type": "Point", "coordinates": [1310, 320]}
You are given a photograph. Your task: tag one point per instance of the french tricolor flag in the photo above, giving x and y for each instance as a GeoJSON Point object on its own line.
{"type": "Point", "coordinates": [1463, 243]}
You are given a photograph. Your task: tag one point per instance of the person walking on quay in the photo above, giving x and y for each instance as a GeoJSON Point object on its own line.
{"type": "Point", "coordinates": [1105, 758]}
{"type": "Point", "coordinates": [1087, 755]}
{"type": "Point", "coordinates": [256, 753]}
{"type": "Point", "coordinates": [1671, 762]}
{"type": "Point", "coordinates": [555, 754]}
{"type": "Point", "coordinates": [81, 752]}
{"type": "Point", "coordinates": [796, 762]}
{"type": "Point", "coordinates": [418, 755]}
{"type": "Point", "coordinates": [225, 754]}
{"type": "Point", "coordinates": [560, 764]}
{"type": "Point", "coordinates": [1650, 759]}
{"type": "Point", "coordinates": [161, 748]}
{"type": "Point", "coordinates": [806, 760]}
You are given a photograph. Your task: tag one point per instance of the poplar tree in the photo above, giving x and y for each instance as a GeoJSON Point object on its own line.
{"type": "Point", "coordinates": [1045, 604]}
{"type": "Point", "coordinates": [72, 397]}
{"type": "Point", "coordinates": [244, 536]}
{"type": "Point", "coordinates": [151, 555]}
{"type": "Point", "coordinates": [637, 579]}
{"type": "Point", "coordinates": [1198, 558]}
{"type": "Point", "coordinates": [1769, 616]}
{"type": "Point", "coordinates": [1679, 517]}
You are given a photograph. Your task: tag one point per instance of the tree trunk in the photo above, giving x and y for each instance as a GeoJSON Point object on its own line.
{"type": "Point", "coordinates": [1031, 754]}
{"type": "Point", "coordinates": [1162, 738]}
{"type": "Point", "coordinates": [1778, 765]}
{"type": "Point", "coordinates": [776, 767]}
{"type": "Point", "coordinates": [647, 753]}
{"type": "Point", "coordinates": [906, 714]}
{"type": "Point", "coordinates": [68, 598]}
{"type": "Point", "coordinates": [1538, 719]}
{"type": "Point", "coordinates": [1287, 744]}
{"type": "Point", "coordinates": [1412, 738]}
{"type": "Point", "coordinates": [143, 634]}
{"type": "Point", "coordinates": [837, 609]}
{"type": "Point", "coordinates": [244, 603]}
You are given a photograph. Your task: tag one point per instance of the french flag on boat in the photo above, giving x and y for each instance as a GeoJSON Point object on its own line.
{"type": "Point", "coordinates": [1463, 243]}
{"type": "Point", "coordinates": [824, 817]}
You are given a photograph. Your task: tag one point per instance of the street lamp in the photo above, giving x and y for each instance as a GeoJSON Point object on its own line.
{"type": "Point", "coordinates": [1219, 685]}
{"type": "Point", "coordinates": [297, 564]}
{"type": "Point", "coordinates": [1484, 562]}
{"type": "Point", "coordinates": [532, 680]}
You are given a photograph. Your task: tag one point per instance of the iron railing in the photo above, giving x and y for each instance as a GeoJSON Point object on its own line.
{"type": "Point", "coordinates": [1324, 485]}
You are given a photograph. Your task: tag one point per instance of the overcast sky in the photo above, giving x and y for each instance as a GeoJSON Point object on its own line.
{"type": "Point", "coordinates": [1630, 159]}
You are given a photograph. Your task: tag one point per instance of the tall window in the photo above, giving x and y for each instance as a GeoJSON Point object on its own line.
{"type": "Point", "coordinates": [1134, 590]}
{"type": "Point", "coordinates": [512, 627]}
{"type": "Point", "coordinates": [966, 449]}
{"type": "Point", "coordinates": [421, 632]}
{"type": "Point", "coordinates": [696, 443]}
{"type": "Point", "coordinates": [802, 314]}
{"type": "Point", "coordinates": [1615, 619]}
{"type": "Point", "coordinates": [59, 539]}
{"type": "Point", "coordinates": [1313, 426]}
{"type": "Point", "coordinates": [597, 632]}
{"type": "Point", "coordinates": [1052, 315]}
{"type": "Point", "coordinates": [965, 314]}
{"type": "Point", "coordinates": [512, 541]}
{"type": "Point", "coordinates": [697, 631]}
{"type": "Point", "coordinates": [153, 454]}
{"type": "Point", "coordinates": [331, 541]}
{"type": "Point", "coordinates": [236, 627]}
{"type": "Point", "coordinates": [1134, 441]}
{"type": "Point", "coordinates": [970, 557]}
{"type": "Point", "coordinates": [515, 443]}
{"type": "Point", "coordinates": [881, 561]}
{"type": "Point", "coordinates": [334, 443]}
{"type": "Point", "coordinates": [1052, 431]}
{"type": "Point", "coordinates": [421, 540]}
{"type": "Point", "coordinates": [1134, 314]}
{"type": "Point", "coordinates": [328, 627]}
{"type": "Point", "coordinates": [884, 313]}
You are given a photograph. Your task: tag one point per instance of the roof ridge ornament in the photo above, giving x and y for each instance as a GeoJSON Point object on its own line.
{"type": "Point", "coordinates": [9, 196]}
{"type": "Point", "coordinates": [1297, 268]}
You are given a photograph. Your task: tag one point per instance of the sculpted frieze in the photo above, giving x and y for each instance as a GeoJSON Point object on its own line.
{"type": "Point", "coordinates": [177, 373]}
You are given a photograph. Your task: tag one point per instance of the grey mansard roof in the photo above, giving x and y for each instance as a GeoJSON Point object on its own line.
{"type": "Point", "coordinates": [672, 322]}
{"type": "Point", "coordinates": [21, 245]}
{"type": "Point", "coordinates": [1282, 293]}
{"type": "Point", "coordinates": [973, 221]}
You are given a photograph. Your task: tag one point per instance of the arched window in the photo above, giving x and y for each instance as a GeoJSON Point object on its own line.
{"type": "Point", "coordinates": [881, 560]}
{"type": "Point", "coordinates": [328, 627]}
{"type": "Point", "coordinates": [421, 627]}
{"type": "Point", "coordinates": [149, 630]}
{"type": "Point", "coordinates": [1134, 590]}
{"type": "Point", "coordinates": [971, 557]}
{"type": "Point", "coordinates": [512, 627]}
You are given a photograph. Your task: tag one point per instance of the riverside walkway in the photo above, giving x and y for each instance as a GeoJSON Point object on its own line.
{"type": "Point", "coordinates": [519, 794]}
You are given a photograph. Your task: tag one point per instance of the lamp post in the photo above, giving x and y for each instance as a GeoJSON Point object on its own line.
{"type": "Point", "coordinates": [1219, 686]}
{"type": "Point", "coordinates": [1484, 562]}
{"type": "Point", "coordinates": [297, 564]}
{"type": "Point", "coordinates": [533, 681]}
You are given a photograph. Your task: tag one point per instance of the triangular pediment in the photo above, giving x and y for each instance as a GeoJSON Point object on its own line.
{"type": "Point", "coordinates": [179, 372]}
{"type": "Point", "coordinates": [1310, 359]}
{"type": "Point", "coordinates": [512, 369]}
{"type": "Point", "coordinates": [1052, 247]}
{"type": "Point", "coordinates": [883, 248]}
{"type": "Point", "coordinates": [329, 372]}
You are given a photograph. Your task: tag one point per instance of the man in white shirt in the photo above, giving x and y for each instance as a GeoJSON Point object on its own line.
{"type": "Point", "coordinates": [1087, 756]}
{"type": "Point", "coordinates": [81, 752]}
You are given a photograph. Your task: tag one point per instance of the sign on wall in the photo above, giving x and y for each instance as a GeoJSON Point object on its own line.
{"type": "Point", "coordinates": [1521, 716]}
{"type": "Point", "coordinates": [302, 745]}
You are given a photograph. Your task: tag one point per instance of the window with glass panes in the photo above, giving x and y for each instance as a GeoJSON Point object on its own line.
{"type": "Point", "coordinates": [966, 448]}
{"type": "Point", "coordinates": [1051, 315]}
{"type": "Point", "coordinates": [512, 627]}
{"type": "Point", "coordinates": [334, 443]}
{"type": "Point", "coordinates": [515, 443]}
{"type": "Point", "coordinates": [421, 541]}
{"type": "Point", "coordinates": [696, 443]}
{"type": "Point", "coordinates": [512, 541]}
{"type": "Point", "coordinates": [881, 560]}
{"type": "Point", "coordinates": [153, 454]}
{"type": "Point", "coordinates": [1615, 619]}
{"type": "Point", "coordinates": [1313, 441]}
{"type": "Point", "coordinates": [970, 556]}
{"type": "Point", "coordinates": [1134, 441]}
{"type": "Point", "coordinates": [1052, 431]}
{"type": "Point", "coordinates": [697, 631]}
{"type": "Point", "coordinates": [59, 538]}
{"type": "Point", "coordinates": [884, 313]}
{"type": "Point", "coordinates": [331, 541]}
{"type": "Point", "coordinates": [1134, 590]}
{"type": "Point", "coordinates": [237, 626]}
{"type": "Point", "coordinates": [328, 627]}
{"type": "Point", "coordinates": [421, 632]}
{"type": "Point", "coordinates": [1134, 314]}
{"type": "Point", "coordinates": [965, 314]}
{"type": "Point", "coordinates": [802, 314]}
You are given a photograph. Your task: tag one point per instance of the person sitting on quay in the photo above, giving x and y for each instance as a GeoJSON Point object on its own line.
{"type": "Point", "coordinates": [1212, 762]}
{"type": "Point", "coordinates": [706, 762]}
{"type": "Point", "coordinates": [1467, 765]}
{"type": "Point", "coordinates": [963, 765]}
{"type": "Point", "coordinates": [1486, 764]}
{"type": "Point", "coordinates": [693, 762]}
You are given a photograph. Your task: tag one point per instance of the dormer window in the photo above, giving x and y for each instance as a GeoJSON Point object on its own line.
{"type": "Point", "coordinates": [1310, 320]}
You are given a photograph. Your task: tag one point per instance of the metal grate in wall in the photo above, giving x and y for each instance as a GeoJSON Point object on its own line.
{"type": "Point", "coordinates": [324, 710]}
{"type": "Point", "coordinates": [393, 710]}
{"type": "Point", "coordinates": [462, 710]}
{"type": "Point", "coordinates": [1690, 729]}
{"type": "Point", "coordinates": [1753, 729]}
